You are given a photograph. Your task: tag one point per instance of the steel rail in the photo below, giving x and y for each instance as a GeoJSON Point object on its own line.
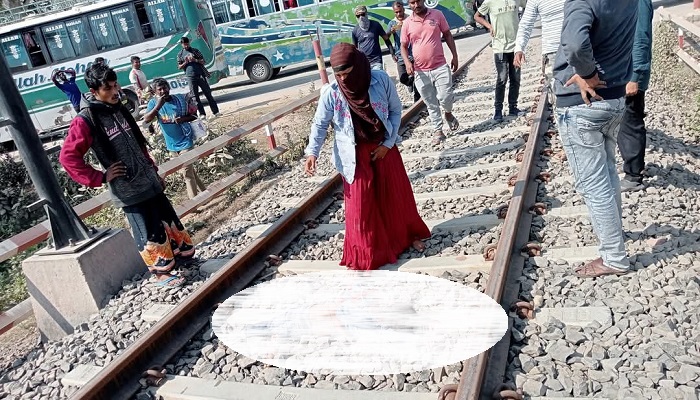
{"type": "Point", "coordinates": [473, 373]}
{"type": "Point", "coordinates": [120, 379]}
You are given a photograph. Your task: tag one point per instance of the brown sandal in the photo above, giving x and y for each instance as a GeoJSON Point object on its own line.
{"type": "Point", "coordinates": [596, 268]}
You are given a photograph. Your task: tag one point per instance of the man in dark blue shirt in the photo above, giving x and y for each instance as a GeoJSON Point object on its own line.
{"type": "Point", "coordinates": [632, 137]}
{"type": "Point", "coordinates": [192, 61]}
{"type": "Point", "coordinates": [68, 86]}
{"type": "Point", "coordinates": [365, 36]}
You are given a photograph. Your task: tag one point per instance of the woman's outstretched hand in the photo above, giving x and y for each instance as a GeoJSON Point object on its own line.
{"type": "Point", "coordinates": [310, 165]}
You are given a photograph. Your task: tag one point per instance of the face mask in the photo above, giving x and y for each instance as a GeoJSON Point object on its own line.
{"type": "Point", "coordinates": [364, 23]}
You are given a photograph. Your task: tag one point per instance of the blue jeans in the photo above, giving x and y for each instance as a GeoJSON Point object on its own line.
{"type": "Point", "coordinates": [589, 137]}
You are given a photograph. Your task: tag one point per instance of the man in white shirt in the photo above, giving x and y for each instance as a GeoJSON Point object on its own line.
{"type": "Point", "coordinates": [138, 78]}
{"type": "Point", "coordinates": [551, 12]}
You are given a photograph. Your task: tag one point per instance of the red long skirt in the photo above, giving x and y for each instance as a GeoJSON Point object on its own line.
{"type": "Point", "coordinates": [381, 217]}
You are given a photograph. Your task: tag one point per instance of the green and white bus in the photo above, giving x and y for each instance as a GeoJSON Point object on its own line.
{"type": "Point", "coordinates": [70, 35]}
{"type": "Point", "coordinates": [260, 37]}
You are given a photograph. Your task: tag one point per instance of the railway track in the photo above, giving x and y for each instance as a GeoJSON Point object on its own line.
{"type": "Point", "coordinates": [467, 217]}
{"type": "Point", "coordinates": [462, 188]}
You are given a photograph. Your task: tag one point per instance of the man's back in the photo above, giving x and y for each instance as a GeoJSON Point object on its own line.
{"type": "Point", "coordinates": [604, 28]}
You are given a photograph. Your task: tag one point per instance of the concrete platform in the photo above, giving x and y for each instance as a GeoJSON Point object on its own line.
{"type": "Point", "coordinates": [187, 388]}
{"type": "Point", "coordinates": [442, 195]}
{"type": "Point", "coordinates": [80, 375]}
{"type": "Point", "coordinates": [568, 212]}
{"type": "Point", "coordinates": [572, 254]}
{"type": "Point", "coordinates": [435, 266]}
{"type": "Point", "coordinates": [475, 151]}
{"type": "Point", "coordinates": [489, 134]}
{"type": "Point", "coordinates": [574, 316]}
{"type": "Point", "coordinates": [443, 225]}
{"type": "Point", "coordinates": [438, 173]}
{"type": "Point", "coordinates": [91, 276]}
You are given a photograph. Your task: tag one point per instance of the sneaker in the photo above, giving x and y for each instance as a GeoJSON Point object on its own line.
{"type": "Point", "coordinates": [203, 116]}
{"type": "Point", "coordinates": [438, 137]}
{"type": "Point", "coordinates": [627, 185]}
{"type": "Point", "coordinates": [498, 116]}
{"type": "Point", "coordinates": [515, 112]}
{"type": "Point", "coordinates": [215, 116]}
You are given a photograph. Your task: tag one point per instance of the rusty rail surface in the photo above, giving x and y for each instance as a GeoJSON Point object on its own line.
{"type": "Point", "coordinates": [120, 379]}
{"type": "Point", "coordinates": [473, 373]}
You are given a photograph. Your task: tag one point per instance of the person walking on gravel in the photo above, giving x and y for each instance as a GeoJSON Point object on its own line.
{"type": "Point", "coordinates": [422, 32]}
{"type": "Point", "coordinates": [174, 114]}
{"type": "Point", "coordinates": [632, 139]}
{"type": "Point", "coordinates": [394, 28]}
{"type": "Point", "coordinates": [590, 103]}
{"type": "Point", "coordinates": [503, 15]}
{"type": "Point", "coordinates": [381, 217]}
{"type": "Point", "coordinates": [365, 36]}
{"type": "Point", "coordinates": [108, 129]}
{"type": "Point", "coordinates": [551, 12]}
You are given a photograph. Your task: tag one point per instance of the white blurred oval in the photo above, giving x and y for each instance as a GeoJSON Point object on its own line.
{"type": "Point", "coordinates": [360, 322]}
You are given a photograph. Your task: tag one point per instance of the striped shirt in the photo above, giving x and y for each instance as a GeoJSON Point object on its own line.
{"type": "Point", "coordinates": [551, 13]}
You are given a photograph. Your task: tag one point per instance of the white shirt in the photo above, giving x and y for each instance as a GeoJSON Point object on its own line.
{"type": "Point", "coordinates": [138, 78]}
{"type": "Point", "coordinates": [551, 13]}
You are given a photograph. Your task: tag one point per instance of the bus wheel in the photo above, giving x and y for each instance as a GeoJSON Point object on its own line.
{"type": "Point", "coordinates": [259, 69]}
{"type": "Point", "coordinates": [276, 71]}
{"type": "Point", "coordinates": [131, 102]}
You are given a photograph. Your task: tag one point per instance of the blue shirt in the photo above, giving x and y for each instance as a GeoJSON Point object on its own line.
{"type": "Point", "coordinates": [71, 90]}
{"type": "Point", "coordinates": [368, 41]}
{"type": "Point", "coordinates": [178, 137]}
{"type": "Point", "coordinates": [333, 108]}
{"type": "Point", "coordinates": [397, 41]}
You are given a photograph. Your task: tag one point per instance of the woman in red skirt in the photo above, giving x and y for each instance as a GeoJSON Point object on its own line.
{"type": "Point", "coordinates": [381, 218]}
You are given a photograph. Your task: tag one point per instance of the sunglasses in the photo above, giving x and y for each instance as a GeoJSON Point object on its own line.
{"type": "Point", "coordinates": [360, 15]}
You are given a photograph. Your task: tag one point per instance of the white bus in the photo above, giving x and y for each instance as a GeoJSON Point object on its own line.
{"type": "Point", "coordinates": [70, 35]}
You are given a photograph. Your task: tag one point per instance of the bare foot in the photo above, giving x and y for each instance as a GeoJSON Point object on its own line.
{"type": "Point", "coordinates": [419, 245]}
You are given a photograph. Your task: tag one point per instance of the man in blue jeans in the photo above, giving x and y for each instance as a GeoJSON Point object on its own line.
{"type": "Point", "coordinates": [590, 102]}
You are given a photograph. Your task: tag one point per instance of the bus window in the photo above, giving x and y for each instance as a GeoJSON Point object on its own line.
{"type": "Point", "coordinates": [142, 15]}
{"type": "Point", "coordinates": [15, 53]}
{"type": "Point", "coordinates": [103, 31]}
{"type": "Point", "coordinates": [305, 2]}
{"type": "Point", "coordinates": [227, 10]}
{"type": "Point", "coordinates": [162, 21]}
{"type": "Point", "coordinates": [36, 55]}
{"type": "Point", "coordinates": [57, 42]}
{"type": "Point", "coordinates": [125, 26]}
{"type": "Point", "coordinates": [178, 17]}
{"type": "Point", "coordinates": [79, 38]}
{"type": "Point", "coordinates": [263, 7]}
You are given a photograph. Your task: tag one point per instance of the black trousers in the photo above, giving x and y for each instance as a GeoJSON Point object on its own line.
{"type": "Point", "coordinates": [506, 70]}
{"type": "Point", "coordinates": [632, 137]}
{"type": "Point", "coordinates": [196, 83]}
{"type": "Point", "coordinates": [407, 80]}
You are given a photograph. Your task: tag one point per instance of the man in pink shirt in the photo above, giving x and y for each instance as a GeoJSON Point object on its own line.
{"type": "Point", "coordinates": [424, 31]}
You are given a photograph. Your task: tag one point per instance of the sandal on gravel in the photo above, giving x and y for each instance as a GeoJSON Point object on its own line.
{"type": "Point", "coordinates": [452, 123]}
{"type": "Point", "coordinates": [596, 268]}
{"type": "Point", "coordinates": [172, 282]}
{"type": "Point", "coordinates": [438, 137]}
